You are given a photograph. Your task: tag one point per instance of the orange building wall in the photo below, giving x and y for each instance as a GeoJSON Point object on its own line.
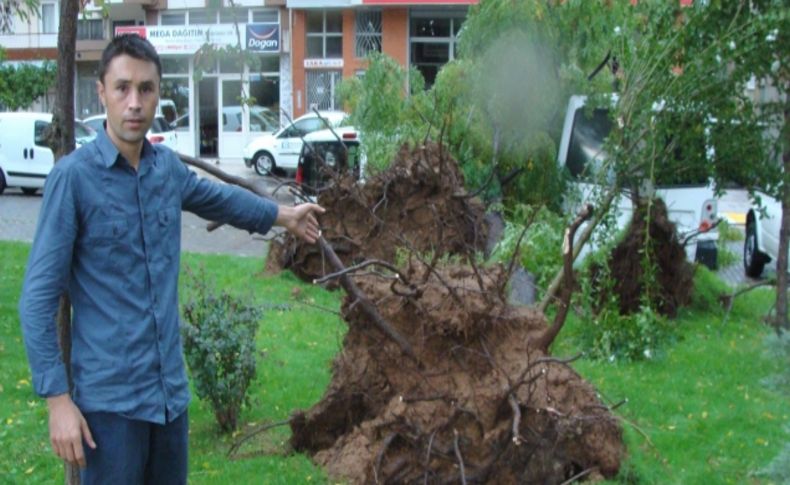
{"type": "Point", "coordinates": [394, 43]}
{"type": "Point", "coordinates": [297, 59]}
{"type": "Point", "coordinates": [395, 34]}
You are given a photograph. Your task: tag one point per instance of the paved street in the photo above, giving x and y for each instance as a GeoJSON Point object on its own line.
{"type": "Point", "coordinates": [19, 213]}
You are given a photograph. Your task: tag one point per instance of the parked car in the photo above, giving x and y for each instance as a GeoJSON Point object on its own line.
{"type": "Point", "coordinates": [761, 244]}
{"type": "Point", "coordinates": [325, 156]}
{"type": "Point", "coordinates": [281, 149]}
{"type": "Point", "coordinates": [160, 131]}
{"type": "Point", "coordinates": [691, 204]}
{"type": "Point", "coordinates": [25, 157]}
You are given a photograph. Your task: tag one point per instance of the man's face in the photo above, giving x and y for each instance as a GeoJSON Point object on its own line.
{"type": "Point", "coordinates": [130, 93]}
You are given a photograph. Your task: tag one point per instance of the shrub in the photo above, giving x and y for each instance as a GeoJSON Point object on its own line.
{"type": "Point", "coordinates": [219, 343]}
{"type": "Point", "coordinates": [708, 291]}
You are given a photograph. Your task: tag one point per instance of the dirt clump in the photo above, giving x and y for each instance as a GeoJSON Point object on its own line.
{"type": "Point", "coordinates": [418, 203]}
{"type": "Point", "coordinates": [480, 402]}
{"type": "Point", "coordinates": [674, 275]}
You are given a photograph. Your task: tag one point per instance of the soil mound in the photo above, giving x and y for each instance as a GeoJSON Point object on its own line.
{"type": "Point", "coordinates": [418, 203]}
{"type": "Point", "coordinates": [483, 404]}
{"type": "Point", "coordinates": [674, 275]}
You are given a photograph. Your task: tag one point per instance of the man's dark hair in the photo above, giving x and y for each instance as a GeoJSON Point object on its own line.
{"type": "Point", "coordinates": [132, 45]}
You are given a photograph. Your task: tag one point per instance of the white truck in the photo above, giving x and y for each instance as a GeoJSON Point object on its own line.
{"type": "Point", "coordinates": [691, 206]}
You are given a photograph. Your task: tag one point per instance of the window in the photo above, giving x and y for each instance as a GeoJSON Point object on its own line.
{"type": "Point", "coordinates": [202, 17]}
{"type": "Point", "coordinates": [172, 18]}
{"type": "Point", "coordinates": [226, 15]}
{"type": "Point", "coordinates": [49, 18]}
{"type": "Point", "coordinates": [433, 38]}
{"type": "Point", "coordinates": [321, 92]}
{"type": "Point", "coordinates": [40, 129]}
{"type": "Point", "coordinates": [368, 32]}
{"type": "Point", "coordinates": [262, 16]}
{"type": "Point", "coordinates": [324, 34]}
{"type": "Point", "coordinates": [90, 29]}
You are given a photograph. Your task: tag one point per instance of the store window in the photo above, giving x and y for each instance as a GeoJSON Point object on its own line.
{"type": "Point", "coordinates": [226, 15]}
{"type": "Point", "coordinates": [202, 17]}
{"type": "Point", "coordinates": [265, 90]}
{"type": "Point", "coordinates": [172, 18]}
{"type": "Point", "coordinates": [433, 37]}
{"type": "Point", "coordinates": [368, 32]}
{"type": "Point", "coordinates": [174, 92]}
{"type": "Point", "coordinates": [264, 16]}
{"type": "Point", "coordinates": [90, 29]}
{"type": "Point", "coordinates": [324, 34]}
{"type": "Point", "coordinates": [49, 18]}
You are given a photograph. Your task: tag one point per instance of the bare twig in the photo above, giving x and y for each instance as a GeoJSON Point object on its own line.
{"type": "Point", "coordinates": [367, 306]}
{"type": "Point", "coordinates": [428, 457]}
{"type": "Point", "coordinates": [384, 446]}
{"type": "Point", "coordinates": [260, 429]}
{"type": "Point", "coordinates": [729, 300]}
{"type": "Point", "coordinates": [583, 237]}
{"type": "Point", "coordinates": [516, 419]}
{"type": "Point", "coordinates": [579, 475]}
{"type": "Point", "coordinates": [459, 457]}
{"type": "Point", "coordinates": [549, 335]}
{"type": "Point", "coordinates": [357, 267]}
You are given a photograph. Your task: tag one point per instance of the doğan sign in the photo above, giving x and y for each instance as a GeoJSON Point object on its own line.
{"type": "Point", "coordinates": [263, 37]}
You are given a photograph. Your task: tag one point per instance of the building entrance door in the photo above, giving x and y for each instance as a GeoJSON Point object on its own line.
{"type": "Point", "coordinates": [233, 132]}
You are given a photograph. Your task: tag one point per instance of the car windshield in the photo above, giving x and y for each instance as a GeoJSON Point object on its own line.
{"type": "Point", "coordinates": [585, 152]}
{"type": "Point", "coordinates": [263, 120]}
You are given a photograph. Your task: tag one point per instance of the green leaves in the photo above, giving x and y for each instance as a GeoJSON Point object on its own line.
{"type": "Point", "coordinates": [21, 85]}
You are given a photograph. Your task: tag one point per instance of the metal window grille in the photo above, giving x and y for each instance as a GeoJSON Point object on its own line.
{"type": "Point", "coordinates": [368, 30]}
{"type": "Point", "coordinates": [321, 92]}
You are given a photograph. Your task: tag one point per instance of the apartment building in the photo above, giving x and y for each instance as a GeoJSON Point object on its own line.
{"type": "Point", "coordinates": [297, 53]}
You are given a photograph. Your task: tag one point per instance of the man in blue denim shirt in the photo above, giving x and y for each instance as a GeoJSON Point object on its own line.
{"type": "Point", "coordinates": [109, 234]}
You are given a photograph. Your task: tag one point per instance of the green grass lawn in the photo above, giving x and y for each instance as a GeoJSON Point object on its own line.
{"type": "Point", "coordinates": [696, 413]}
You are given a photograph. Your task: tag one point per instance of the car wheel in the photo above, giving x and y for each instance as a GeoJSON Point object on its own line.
{"type": "Point", "coordinates": [263, 163]}
{"type": "Point", "coordinates": [2, 182]}
{"type": "Point", "coordinates": [29, 190]}
{"type": "Point", "coordinates": [753, 262]}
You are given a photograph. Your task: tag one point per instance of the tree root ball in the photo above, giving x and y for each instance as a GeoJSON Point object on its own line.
{"type": "Point", "coordinates": [481, 403]}
{"type": "Point", "coordinates": [418, 203]}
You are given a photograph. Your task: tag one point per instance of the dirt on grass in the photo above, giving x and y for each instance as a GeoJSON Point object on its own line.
{"type": "Point", "coordinates": [479, 400]}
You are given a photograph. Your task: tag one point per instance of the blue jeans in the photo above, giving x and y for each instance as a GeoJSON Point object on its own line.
{"type": "Point", "coordinates": [131, 452]}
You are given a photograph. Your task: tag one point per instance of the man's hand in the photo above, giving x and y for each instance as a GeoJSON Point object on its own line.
{"type": "Point", "coordinates": [67, 429]}
{"type": "Point", "coordinates": [300, 220]}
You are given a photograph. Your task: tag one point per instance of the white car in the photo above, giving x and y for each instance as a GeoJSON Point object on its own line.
{"type": "Point", "coordinates": [761, 244]}
{"type": "Point", "coordinates": [25, 156]}
{"type": "Point", "coordinates": [160, 131]}
{"type": "Point", "coordinates": [281, 149]}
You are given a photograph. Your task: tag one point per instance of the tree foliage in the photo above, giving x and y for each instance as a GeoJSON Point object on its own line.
{"type": "Point", "coordinates": [21, 85]}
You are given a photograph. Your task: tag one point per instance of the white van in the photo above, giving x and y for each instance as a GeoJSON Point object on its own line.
{"type": "Point", "coordinates": [692, 205]}
{"type": "Point", "coordinates": [25, 157]}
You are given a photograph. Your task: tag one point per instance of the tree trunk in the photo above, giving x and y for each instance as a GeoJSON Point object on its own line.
{"type": "Point", "coordinates": [63, 143]}
{"type": "Point", "coordinates": [781, 322]}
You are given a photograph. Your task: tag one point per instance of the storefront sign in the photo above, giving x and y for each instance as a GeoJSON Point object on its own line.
{"type": "Point", "coordinates": [187, 39]}
{"type": "Point", "coordinates": [263, 37]}
{"type": "Point", "coordinates": [323, 63]}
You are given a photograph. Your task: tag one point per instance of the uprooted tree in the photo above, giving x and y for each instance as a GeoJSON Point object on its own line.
{"type": "Point", "coordinates": [440, 378]}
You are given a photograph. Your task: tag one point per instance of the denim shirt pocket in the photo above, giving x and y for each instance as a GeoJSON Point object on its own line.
{"type": "Point", "coordinates": [169, 231]}
{"type": "Point", "coordinates": [106, 241]}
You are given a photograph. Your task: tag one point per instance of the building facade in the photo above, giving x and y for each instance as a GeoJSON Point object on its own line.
{"type": "Point", "coordinates": [295, 54]}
